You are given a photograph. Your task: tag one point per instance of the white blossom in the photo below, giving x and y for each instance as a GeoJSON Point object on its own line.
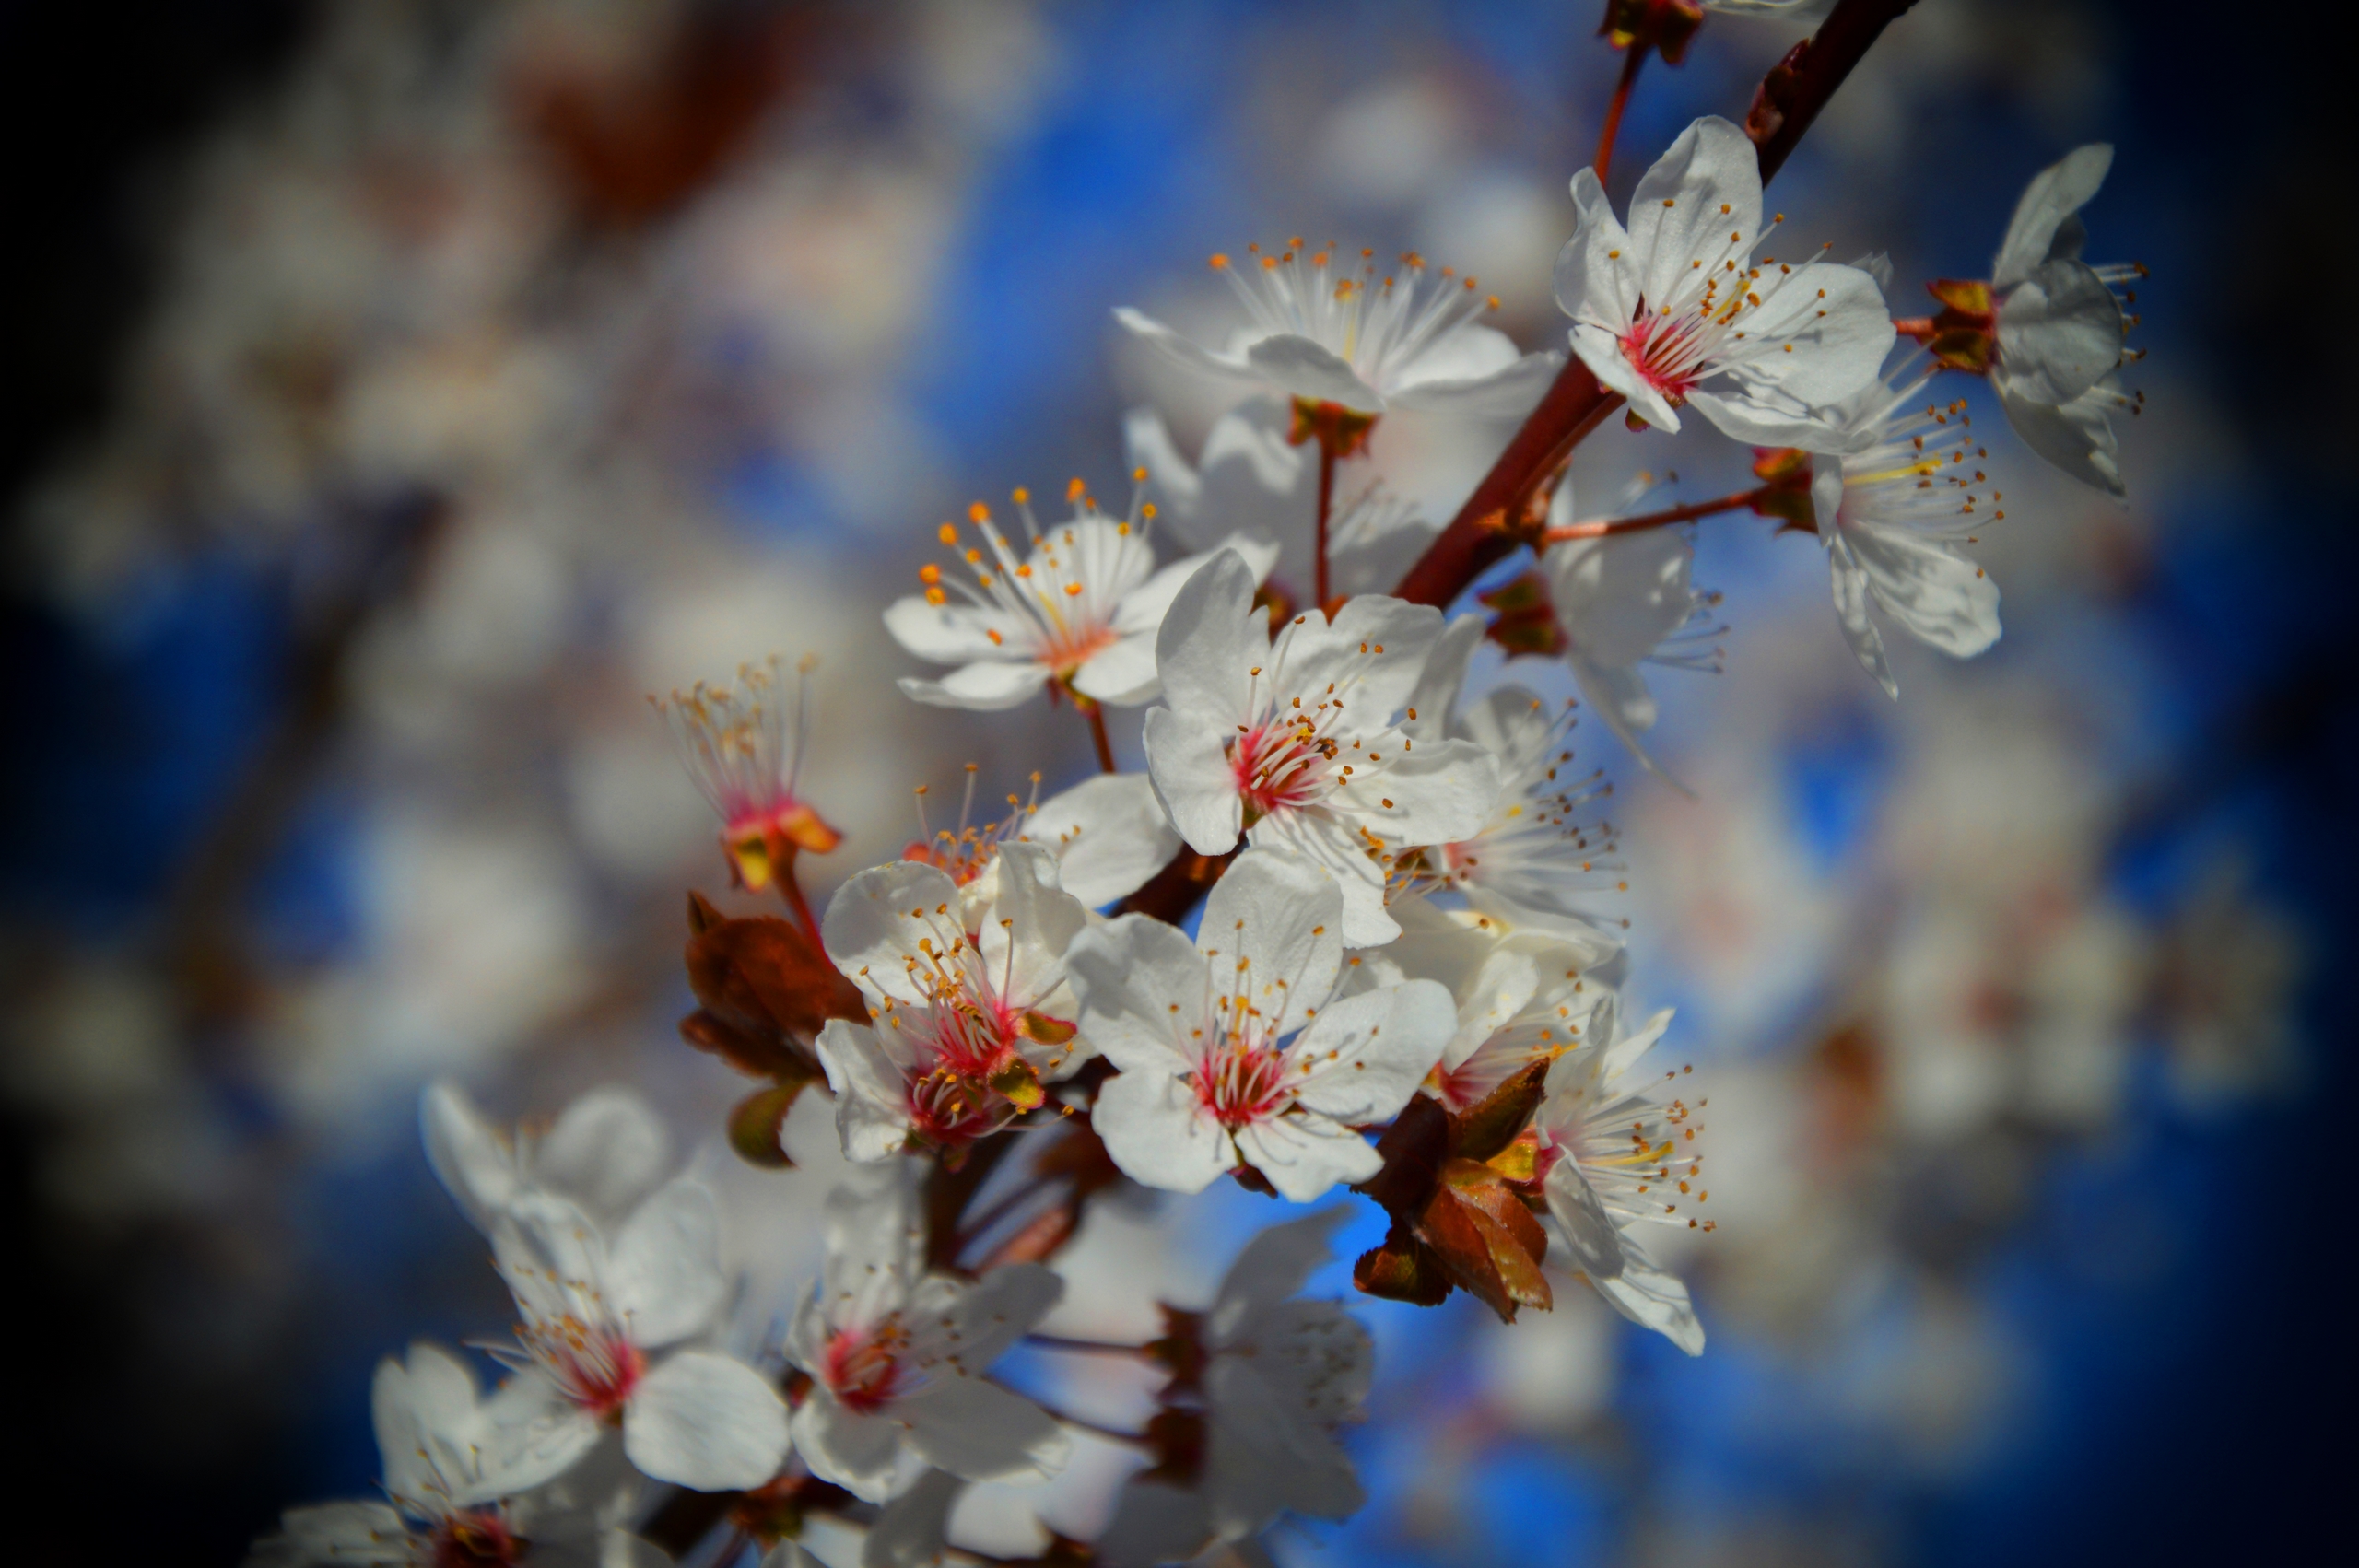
{"type": "Point", "coordinates": [1252, 477]}
{"type": "Point", "coordinates": [1676, 310]}
{"type": "Point", "coordinates": [1292, 740]}
{"type": "Point", "coordinates": [1894, 511]}
{"type": "Point", "coordinates": [605, 1153]}
{"type": "Point", "coordinates": [1618, 1149]}
{"type": "Point", "coordinates": [1528, 865]}
{"type": "Point", "coordinates": [1523, 997]}
{"type": "Point", "coordinates": [1107, 835]}
{"type": "Point", "coordinates": [1365, 337]}
{"type": "Point", "coordinates": [896, 1354]}
{"type": "Point", "coordinates": [596, 1316]}
{"type": "Point", "coordinates": [1079, 606]}
{"type": "Point", "coordinates": [969, 1010]}
{"type": "Point", "coordinates": [745, 757]}
{"type": "Point", "coordinates": [1230, 1052]}
{"type": "Point", "coordinates": [1280, 1374]}
{"type": "Point", "coordinates": [1625, 600]}
{"type": "Point", "coordinates": [2059, 324]}
{"type": "Point", "coordinates": [454, 1491]}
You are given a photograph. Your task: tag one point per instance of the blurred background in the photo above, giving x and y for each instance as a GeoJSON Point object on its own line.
{"type": "Point", "coordinates": [402, 391]}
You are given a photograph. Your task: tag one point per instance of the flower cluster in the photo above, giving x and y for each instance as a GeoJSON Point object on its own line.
{"type": "Point", "coordinates": [1352, 925]}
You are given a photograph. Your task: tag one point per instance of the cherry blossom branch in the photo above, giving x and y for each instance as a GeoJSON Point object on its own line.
{"type": "Point", "coordinates": [1326, 504]}
{"type": "Point", "coordinates": [1095, 713]}
{"type": "Point", "coordinates": [1088, 1347]}
{"type": "Point", "coordinates": [1634, 57]}
{"type": "Point", "coordinates": [1787, 101]}
{"type": "Point", "coordinates": [1599, 528]}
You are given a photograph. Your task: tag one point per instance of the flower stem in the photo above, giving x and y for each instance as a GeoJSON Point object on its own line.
{"type": "Point", "coordinates": [1576, 403]}
{"type": "Point", "coordinates": [970, 1231]}
{"type": "Point", "coordinates": [790, 887]}
{"type": "Point", "coordinates": [1326, 503]}
{"type": "Point", "coordinates": [1599, 528]}
{"type": "Point", "coordinates": [1093, 1347]}
{"type": "Point", "coordinates": [1095, 713]}
{"type": "Point", "coordinates": [1633, 57]}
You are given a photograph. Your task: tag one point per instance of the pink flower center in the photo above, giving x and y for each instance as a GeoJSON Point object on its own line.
{"type": "Point", "coordinates": [863, 1370]}
{"type": "Point", "coordinates": [593, 1366]}
{"type": "Point", "coordinates": [476, 1539]}
{"type": "Point", "coordinates": [1241, 1084]}
{"type": "Point", "coordinates": [1066, 649]}
{"type": "Point", "coordinates": [1280, 768]}
{"type": "Point", "coordinates": [952, 1109]}
{"type": "Point", "coordinates": [1668, 352]}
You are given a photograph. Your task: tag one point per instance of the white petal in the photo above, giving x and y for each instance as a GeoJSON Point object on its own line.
{"type": "Point", "coordinates": [1189, 768]}
{"type": "Point", "coordinates": [664, 1273]}
{"type": "Point", "coordinates": [426, 1419]}
{"type": "Point", "coordinates": [471, 1158]}
{"type": "Point", "coordinates": [1173, 483]}
{"type": "Point", "coordinates": [1305, 368]}
{"type": "Point", "coordinates": [1619, 596]}
{"type": "Point", "coordinates": [1653, 1299]}
{"type": "Point", "coordinates": [1812, 345]}
{"type": "Point", "coordinates": [1936, 594]}
{"type": "Point", "coordinates": [1108, 832]}
{"type": "Point", "coordinates": [986, 686]}
{"type": "Point", "coordinates": [706, 1422]}
{"type": "Point", "coordinates": [1122, 675]}
{"type": "Point", "coordinates": [1369, 1053]}
{"type": "Point", "coordinates": [911, 1531]}
{"type": "Point", "coordinates": [1597, 271]}
{"type": "Point", "coordinates": [1157, 1133]}
{"type": "Point", "coordinates": [1675, 216]}
{"type": "Point", "coordinates": [533, 1435]}
{"type": "Point", "coordinates": [948, 634]}
{"type": "Point", "coordinates": [1144, 607]}
{"type": "Point", "coordinates": [1273, 1266]}
{"type": "Point", "coordinates": [1437, 793]}
{"type": "Point", "coordinates": [1210, 636]}
{"type": "Point", "coordinates": [871, 1108]}
{"type": "Point", "coordinates": [1185, 352]}
{"type": "Point", "coordinates": [1601, 350]}
{"type": "Point", "coordinates": [605, 1153]}
{"type": "Point", "coordinates": [1434, 699]}
{"type": "Point", "coordinates": [1595, 1241]}
{"type": "Point", "coordinates": [875, 921]}
{"type": "Point", "coordinates": [1849, 583]}
{"type": "Point", "coordinates": [1304, 1154]}
{"type": "Point", "coordinates": [2060, 334]}
{"type": "Point", "coordinates": [982, 1433]}
{"type": "Point", "coordinates": [992, 1313]}
{"type": "Point", "coordinates": [1281, 913]}
{"type": "Point", "coordinates": [1031, 922]}
{"type": "Point", "coordinates": [875, 1242]}
{"type": "Point", "coordinates": [2054, 194]}
{"type": "Point", "coordinates": [347, 1535]}
{"type": "Point", "coordinates": [1329, 839]}
{"type": "Point", "coordinates": [1509, 390]}
{"type": "Point", "coordinates": [860, 1453]}
{"type": "Point", "coordinates": [2076, 437]}
{"type": "Point", "coordinates": [1143, 990]}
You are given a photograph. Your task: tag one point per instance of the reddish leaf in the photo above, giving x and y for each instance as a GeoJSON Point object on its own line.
{"type": "Point", "coordinates": [1492, 1123]}
{"type": "Point", "coordinates": [765, 992]}
{"type": "Point", "coordinates": [1403, 1268]}
{"type": "Point", "coordinates": [1413, 1148]}
{"type": "Point", "coordinates": [758, 1122]}
{"type": "Point", "coordinates": [1489, 1243]}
